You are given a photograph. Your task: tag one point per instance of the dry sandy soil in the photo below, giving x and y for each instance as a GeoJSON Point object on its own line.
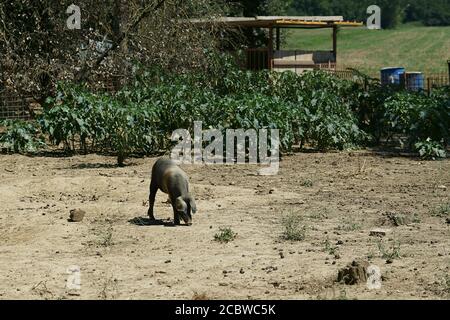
{"type": "Point", "coordinates": [339, 198]}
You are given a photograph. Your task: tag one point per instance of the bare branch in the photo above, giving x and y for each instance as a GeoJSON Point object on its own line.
{"type": "Point", "coordinates": [116, 44]}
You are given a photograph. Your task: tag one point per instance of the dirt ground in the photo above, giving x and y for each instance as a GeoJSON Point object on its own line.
{"type": "Point", "coordinates": [339, 197]}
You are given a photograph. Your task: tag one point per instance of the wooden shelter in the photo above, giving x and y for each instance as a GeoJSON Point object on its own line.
{"type": "Point", "coordinates": [272, 56]}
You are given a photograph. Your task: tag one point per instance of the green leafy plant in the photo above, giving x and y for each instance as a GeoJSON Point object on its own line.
{"type": "Point", "coordinates": [225, 235]}
{"type": "Point", "coordinates": [315, 109]}
{"type": "Point", "coordinates": [430, 150]}
{"type": "Point", "coordinates": [329, 248]}
{"type": "Point", "coordinates": [21, 136]}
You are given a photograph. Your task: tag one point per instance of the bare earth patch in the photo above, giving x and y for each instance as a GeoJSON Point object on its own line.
{"type": "Point", "coordinates": [338, 199]}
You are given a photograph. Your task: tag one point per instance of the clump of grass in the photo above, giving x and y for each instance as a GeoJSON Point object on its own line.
{"type": "Point", "coordinates": [348, 225]}
{"type": "Point", "coordinates": [390, 253]}
{"type": "Point", "coordinates": [106, 237]}
{"type": "Point", "coordinates": [397, 219]}
{"type": "Point", "coordinates": [225, 235]}
{"type": "Point", "coordinates": [319, 215]}
{"type": "Point", "coordinates": [293, 230]}
{"type": "Point", "coordinates": [416, 218]}
{"type": "Point", "coordinates": [441, 211]}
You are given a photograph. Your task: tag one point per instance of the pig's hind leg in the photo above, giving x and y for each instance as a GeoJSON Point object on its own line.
{"type": "Point", "coordinates": [151, 199]}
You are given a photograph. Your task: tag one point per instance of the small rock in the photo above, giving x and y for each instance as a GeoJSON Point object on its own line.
{"type": "Point", "coordinates": [281, 255]}
{"type": "Point", "coordinates": [275, 284]}
{"type": "Point", "coordinates": [76, 215]}
{"type": "Point", "coordinates": [389, 261]}
{"type": "Point", "coordinates": [379, 232]}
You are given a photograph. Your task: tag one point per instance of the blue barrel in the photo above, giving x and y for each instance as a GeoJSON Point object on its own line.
{"type": "Point", "coordinates": [392, 76]}
{"type": "Point", "coordinates": [415, 81]}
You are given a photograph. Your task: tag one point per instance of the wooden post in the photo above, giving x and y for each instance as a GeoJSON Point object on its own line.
{"type": "Point", "coordinates": [279, 40]}
{"type": "Point", "coordinates": [448, 62]}
{"type": "Point", "coordinates": [335, 42]}
{"type": "Point", "coordinates": [270, 48]}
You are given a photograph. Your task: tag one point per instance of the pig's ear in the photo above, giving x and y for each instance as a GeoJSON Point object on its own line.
{"type": "Point", "coordinates": [180, 205]}
{"type": "Point", "coordinates": [193, 205]}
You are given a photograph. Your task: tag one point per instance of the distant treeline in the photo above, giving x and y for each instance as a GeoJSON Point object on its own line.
{"type": "Point", "coordinates": [429, 12]}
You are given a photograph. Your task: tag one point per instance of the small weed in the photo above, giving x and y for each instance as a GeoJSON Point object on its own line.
{"type": "Point", "coordinates": [106, 237]}
{"type": "Point", "coordinates": [322, 214]}
{"type": "Point", "coordinates": [42, 290]}
{"type": "Point", "coordinates": [349, 225]}
{"type": "Point", "coordinates": [108, 289]}
{"type": "Point", "coordinates": [416, 218]}
{"type": "Point", "coordinates": [307, 183]}
{"type": "Point", "coordinates": [397, 219]}
{"type": "Point", "coordinates": [293, 230]}
{"type": "Point", "coordinates": [441, 211]}
{"type": "Point", "coordinates": [370, 255]}
{"type": "Point", "coordinates": [225, 235]}
{"type": "Point", "coordinates": [389, 253]}
{"type": "Point", "coordinates": [446, 283]}
{"type": "Point", "coordinates": [332, 250]}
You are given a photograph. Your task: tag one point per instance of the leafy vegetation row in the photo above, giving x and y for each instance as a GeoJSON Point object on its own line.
{"type": "Point", "coordinates": [315, 109]}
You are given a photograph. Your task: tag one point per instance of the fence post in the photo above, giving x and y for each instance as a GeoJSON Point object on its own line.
{"type": "Point", "coordinates": [448, 62]}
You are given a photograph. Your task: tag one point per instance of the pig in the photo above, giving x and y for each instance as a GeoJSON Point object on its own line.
{"type": "Point", "coordinates": [172, 180]}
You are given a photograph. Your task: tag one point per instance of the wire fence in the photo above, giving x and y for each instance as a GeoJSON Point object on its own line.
{"type": "Point", "coordinates": [427, 82]}
{"type": "Point", "coordinates": [15, 106]}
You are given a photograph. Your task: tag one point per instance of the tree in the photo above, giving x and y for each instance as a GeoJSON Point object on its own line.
{"type": "Point", "coordinates": [37, 49]}
{"type": "Point", "coordinates": [351, 9]}
{"type": "Point", "coordinates": [431, 13]}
